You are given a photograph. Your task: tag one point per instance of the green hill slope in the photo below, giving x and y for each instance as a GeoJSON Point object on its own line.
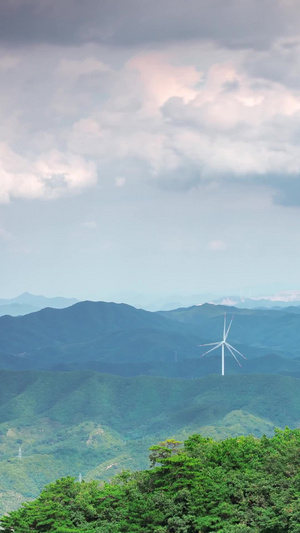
{"type": "Point", "coordinates": [260, 328]}
{"type": "Point", "coordinates": [71, 422]}
{"type": "Point", "coordinates": [239, 485]}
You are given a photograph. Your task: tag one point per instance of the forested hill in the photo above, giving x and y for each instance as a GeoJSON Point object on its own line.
{"type": "Point", "coordinates": [122, 340]}
{"type": "Point", "coordinates": [238, 485]}
{"type": "Point", "coordinates": [99, 424]}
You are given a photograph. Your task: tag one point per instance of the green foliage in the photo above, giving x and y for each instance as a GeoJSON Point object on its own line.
{"type": "Point", "coordinates": [236, 485]}
{"type": "Point", "coordinates": [71, 422]}
{"type": "Point", "coordinates": [163, 450]}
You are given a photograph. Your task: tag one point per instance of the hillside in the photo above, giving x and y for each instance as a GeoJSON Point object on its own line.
{"type": "Point", "coordinates": [236, 485]}
{"type": "Point", "coordinates": [97, 424]}
{"type": "Point", "coordinates": [261, 328]}
{"type": "Point", "coordinates": [122, 340]}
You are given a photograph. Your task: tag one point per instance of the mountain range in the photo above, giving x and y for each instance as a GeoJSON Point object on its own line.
{"type": "Point", "coordinates": [29, 303]}
{"type": "Point", "coordinates": [88, 388]}
{"type": "Point", "coordinates": [123, 340]}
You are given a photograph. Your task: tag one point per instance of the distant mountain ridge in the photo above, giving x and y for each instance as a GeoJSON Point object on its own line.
{"type": "Point", "coordinates": [123, 340]}
{"type": "Point", "coordinates": [29, 303]}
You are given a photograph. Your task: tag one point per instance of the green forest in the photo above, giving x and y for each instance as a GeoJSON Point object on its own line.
{"type": "Point", "coordinates": [99, 425]}
{"type": "Point", "coordinates": [239, 484]}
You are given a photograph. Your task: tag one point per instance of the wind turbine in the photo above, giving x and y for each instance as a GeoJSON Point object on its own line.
{"type": "Point", "coordinates": [223, 343]}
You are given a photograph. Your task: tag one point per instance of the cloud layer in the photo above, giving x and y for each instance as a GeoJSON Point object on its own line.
{"type": "Point", "coordinates": [176, 94]}
{"type": "Point", "coordinates": [236, 24]}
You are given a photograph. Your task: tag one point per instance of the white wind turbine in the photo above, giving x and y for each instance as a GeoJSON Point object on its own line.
{"type": "Point", "coordinates": [223, 343]}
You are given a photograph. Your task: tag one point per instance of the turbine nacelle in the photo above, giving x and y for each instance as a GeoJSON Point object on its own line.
{"type": "Point", "coordinates": [234, 352]}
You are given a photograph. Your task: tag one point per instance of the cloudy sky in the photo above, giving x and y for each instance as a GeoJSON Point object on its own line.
{"type": "Point", "coordinates": [149, 148]}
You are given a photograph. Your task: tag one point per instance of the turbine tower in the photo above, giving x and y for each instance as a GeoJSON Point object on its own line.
{"type": "Point", "coordinates": [224, 343]}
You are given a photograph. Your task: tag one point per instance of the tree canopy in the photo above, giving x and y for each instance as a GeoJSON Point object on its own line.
{"type": "Point", "coordinates": [237, 485]}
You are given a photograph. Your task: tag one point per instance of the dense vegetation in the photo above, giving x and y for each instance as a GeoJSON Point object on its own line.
{"type": "Point", "coordinates": [96, 424]}
{"type": "Point", "coordinates": [236, 485]}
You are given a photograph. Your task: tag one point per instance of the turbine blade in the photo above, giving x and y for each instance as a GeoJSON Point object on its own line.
{"type": "Point", "coordinates": [209, 344]}
{"type": "Point", "coordinates": [227, 346]}
{"type": "Point", "coordinates": [236, 350]}
{"type": "Point", "coordinates": [226, 335]}
{"type": "Point", "coordinates": [212, 349]}
{"type": "Point", "coordinates": [224, 328]}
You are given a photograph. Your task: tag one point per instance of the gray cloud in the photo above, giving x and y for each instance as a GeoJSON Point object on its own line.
{"type": "Point", "coordinates": [176, 116]}
{"type": "Point", "coordinates": [250, 24]}
{"type": "Point", "coordinates": [281, 63]}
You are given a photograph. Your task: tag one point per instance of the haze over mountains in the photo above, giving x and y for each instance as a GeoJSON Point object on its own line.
{"type": "Point", "coordinates": [29, 303]}
{"type": "Point", "coordinates": [123, 340]}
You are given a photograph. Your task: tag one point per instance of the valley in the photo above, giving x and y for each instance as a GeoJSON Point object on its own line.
{"type": "Point", "coordinates": [98, 424]}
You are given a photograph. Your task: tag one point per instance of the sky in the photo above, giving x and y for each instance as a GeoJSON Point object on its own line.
{"type": "Point", "coordinates": [149, 149]}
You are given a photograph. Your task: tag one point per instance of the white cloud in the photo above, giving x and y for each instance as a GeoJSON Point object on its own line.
{"type": "Point", "coordinates": [216, 122]}
{"type": "Point", "coordinates": [161, 80]}
{"type": "Point", "coordinates": [200, 115]}
{"type": "Point", "coordinates": [217, 246]}
{"type": "Point", "coordinates": [51, 175]}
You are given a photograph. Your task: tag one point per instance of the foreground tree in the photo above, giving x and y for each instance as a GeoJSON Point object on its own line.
{"type": "Point", "coordinates": [237, 485]}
